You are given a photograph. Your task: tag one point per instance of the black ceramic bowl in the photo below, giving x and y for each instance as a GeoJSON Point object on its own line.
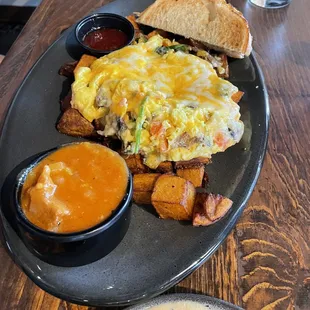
{"type": "Point", "coordinates": [103, 20]}
{"type": "Point", "coordinates": [72, 249]}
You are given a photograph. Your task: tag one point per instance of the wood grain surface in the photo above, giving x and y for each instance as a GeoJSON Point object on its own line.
{"type": "Point", "coordinates": [265, 261]}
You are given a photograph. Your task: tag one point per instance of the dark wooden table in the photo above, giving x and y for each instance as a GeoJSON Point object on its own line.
{"type": "Point", "coordinates": [265, 261]}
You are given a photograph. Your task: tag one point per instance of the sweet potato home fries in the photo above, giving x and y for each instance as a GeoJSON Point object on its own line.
{"type": "Point", "coordinates": [165, 104]}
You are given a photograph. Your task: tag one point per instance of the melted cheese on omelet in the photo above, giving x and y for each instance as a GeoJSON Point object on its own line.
{"type": "Point", "coordinates": [187, 109]}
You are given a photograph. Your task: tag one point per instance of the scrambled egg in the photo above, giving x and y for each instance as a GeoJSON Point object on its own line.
{"type": "Point", "coordinates": [161, 102]}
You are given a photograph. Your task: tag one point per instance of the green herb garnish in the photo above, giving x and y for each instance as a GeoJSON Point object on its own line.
{"type": "Point", "coordinates": [139, 123]}
{"type": "Point", "coordinates": [179, 47]}
{"type": "Point", "coordinates": [162, 50]}
{"type": "Point", "coordinates": [143, 39]}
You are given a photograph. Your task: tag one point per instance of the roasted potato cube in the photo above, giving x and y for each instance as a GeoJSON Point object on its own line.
{"type": "Point", "coordinates": [85, 61]}
{"type": "Point", "coordinates": [152, 34]}
{"type": "Point", "coordinates": [67, 69]}
{"type": "Point", "coordinates": [161, 32]}
{"type": "Point", "coordinates": [98, 125]}
{"type": "Point", "coordinates": [138, 33]}
{"type": "Point", "coordinates": [209, 208]}
{"type": "Point", "coordinates": [165, 167]}
{"type": "Point", "coordinates": [135, 164]}
{"type": "Point", "coordinates": [131, 162]}
{"type": "Point", "coordinates": [143, 185]}
{"type": "Point", "coordinates": [132, 19]}
{"type": "Point", "coordinates": [145, 182]}
{"type": "Point", "coordinates": [194, 175]}
{"type": "Point", "coordinates": [237, 96]}
{"type": "Point", "coordinates": [65, 103]}
{"type": "Point", "coordinates": [205, 179]}
{"type": "Point", "coordinates": [140, 166]}
{"type": "Point", "coordinates": [193, 163]}
{"type": "Point", "coordinates": [173, 197]}
{"type": "Point", "coordinates": [72, 123]}
{"type": "Point", "coordinates": [142, 198]}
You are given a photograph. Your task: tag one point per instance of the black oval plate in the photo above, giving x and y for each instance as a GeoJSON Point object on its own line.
{"type": "Point", "coordinates": [155, 254]}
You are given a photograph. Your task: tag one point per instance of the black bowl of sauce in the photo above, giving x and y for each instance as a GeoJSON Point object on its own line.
{"type": "Point", "coordinates": [69, 248]}
{"type": "Point", "coordinates": [103, 33]}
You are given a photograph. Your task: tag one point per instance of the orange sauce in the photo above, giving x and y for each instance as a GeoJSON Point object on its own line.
{"type": "Point", "coordinates": [74, 188]}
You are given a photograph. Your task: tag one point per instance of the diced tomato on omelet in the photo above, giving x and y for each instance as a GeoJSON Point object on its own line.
{"type": "Point", "coordinates": [221, 140]}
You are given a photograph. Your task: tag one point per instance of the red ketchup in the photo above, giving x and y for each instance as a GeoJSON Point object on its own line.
{"type": "Point", "coordinates": [106, 39]}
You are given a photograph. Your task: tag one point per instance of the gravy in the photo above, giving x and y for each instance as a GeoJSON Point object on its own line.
{"type": "Point", "coordinates": [74, 188]}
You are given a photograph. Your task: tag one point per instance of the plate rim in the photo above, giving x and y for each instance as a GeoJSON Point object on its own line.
{"type": "Point", "coordinates": [194, 266]}
{"type": "Point", "coordinates": [200, 298]}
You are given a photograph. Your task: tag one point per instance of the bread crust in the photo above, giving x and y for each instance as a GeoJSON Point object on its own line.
{"type": "Point", "coordinates": [216, 23]}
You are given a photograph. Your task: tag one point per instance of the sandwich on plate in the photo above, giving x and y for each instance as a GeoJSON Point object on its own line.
{"type": "Point", "coordinates": [215, 23]}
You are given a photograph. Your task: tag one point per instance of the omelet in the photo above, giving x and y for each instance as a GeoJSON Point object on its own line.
{"type": "Point", "coordinates": [160, 101]}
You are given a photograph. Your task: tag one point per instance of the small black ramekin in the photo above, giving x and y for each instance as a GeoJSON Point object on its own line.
{"type": "Point", "coordinates": [72, 249]}
{"type": "Point", "coordinates": [103, 20]}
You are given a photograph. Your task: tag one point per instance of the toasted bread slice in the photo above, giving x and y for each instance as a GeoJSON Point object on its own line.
{"type": "Point", "coordinates": [214, 22]}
